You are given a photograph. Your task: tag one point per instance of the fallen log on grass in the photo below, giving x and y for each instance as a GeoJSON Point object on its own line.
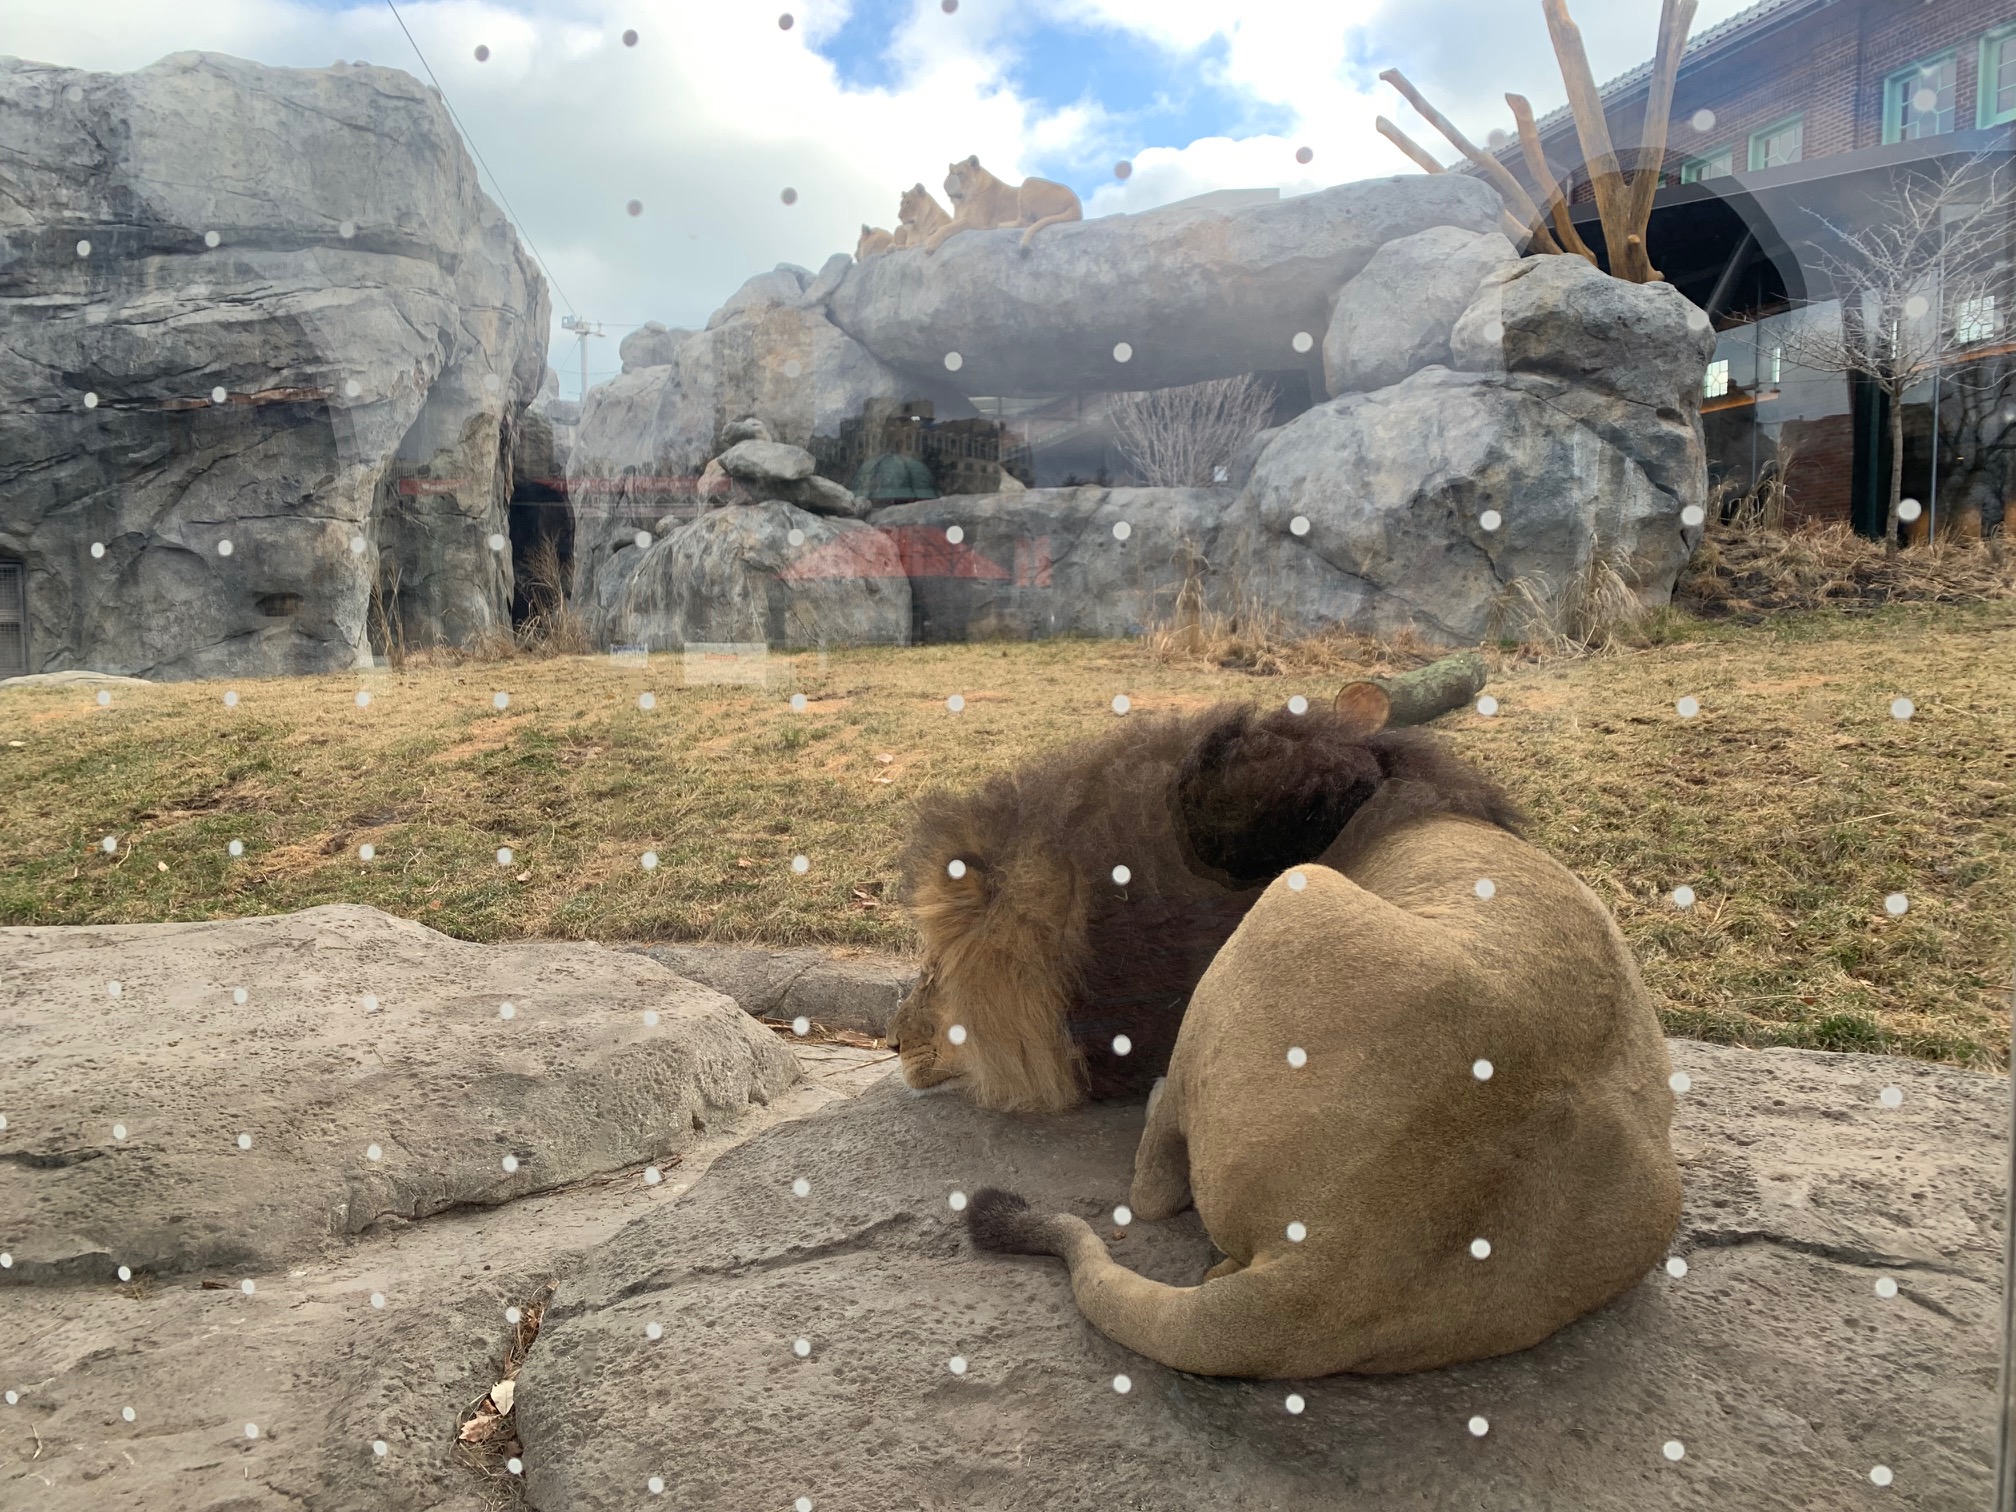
{"type": "Point", "coordinates": [1431, 691]}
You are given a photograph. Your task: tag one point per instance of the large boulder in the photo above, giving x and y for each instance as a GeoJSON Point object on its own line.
{"type": "Point", "coordinates": [170, 1128]}
{"type": "Point", "coordinates": [651, 345]}
{"type": "Point", "coordinates": [1195, 292]}
{"type": "Point", "coordinates": [1370, 511]}
{"type": "Point", "coordinates": [769, 572]}
{"type": "Point", "coordinates": [264, 306]}
{"type": "Point", "coordinates": [763, 463]}
{"type": "Point", "coordinates": [1052, 561]}
{"type": "Point", "coordinates": [1395, 317]}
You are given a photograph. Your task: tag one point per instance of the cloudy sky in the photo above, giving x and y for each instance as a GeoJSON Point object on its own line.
{"type": "Point", "coordinates": [719, 109]}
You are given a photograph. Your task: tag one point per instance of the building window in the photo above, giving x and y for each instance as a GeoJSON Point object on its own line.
{"type": "Point", "coordinates": [13, 618]}
{"type": "Point", "coordinates": [1716, 381]}
{"type": "Point", "coordinates": [1715, 165]}
{"type": "Point", "coordinates": [1918, 101]}
{"type": "Point", "coordinates": [1777, 365]}
{"type": "Point", "coordinates": [1974, 320]}
{"type": "Point", "coordinates": [1775, 146]}
{"type": "Point", "coordinates": [1996, 86]}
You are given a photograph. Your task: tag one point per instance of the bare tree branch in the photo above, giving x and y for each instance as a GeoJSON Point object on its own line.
{"type": "Point", "coordinates": [1179, 437]}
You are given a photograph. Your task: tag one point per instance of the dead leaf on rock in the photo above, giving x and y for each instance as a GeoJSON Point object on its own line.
{"type": "Point", "coordinates": [480, 1428]}
{"type": "Point", "coordinates": [501, 1394]}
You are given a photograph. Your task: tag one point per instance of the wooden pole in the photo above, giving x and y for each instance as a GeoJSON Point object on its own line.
{"type": "Point", "coordinates": [1517, 201]}
{"type": "Point", "coordinates": [1676, 18]}
{"type": "Point", "coordinates": [1543, 179]}
{"type": "Point", "coordinates": [1507, 222]}
{"type": "Point", "coordinates": [1593, 130]}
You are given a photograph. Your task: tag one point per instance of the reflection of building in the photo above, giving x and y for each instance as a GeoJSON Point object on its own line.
{"type": "Point", "coordinates": [897, 450]}
{"type": "Point", "coordinates": [1787, 118]}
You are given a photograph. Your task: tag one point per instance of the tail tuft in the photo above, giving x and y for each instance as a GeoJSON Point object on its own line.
{"type": "Point", "coordinates": [1003, 1222]}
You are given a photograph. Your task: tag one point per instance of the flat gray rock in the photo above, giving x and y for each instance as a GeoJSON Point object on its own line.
{"type": "Point", "coordinates": [857, 992]}
{"type": "Point", "coordinates": [762, 462]}
{"type": "Point", "coordinates": [1773, 1361]}
{"type": "Point", "coordinates": [168, 1128]}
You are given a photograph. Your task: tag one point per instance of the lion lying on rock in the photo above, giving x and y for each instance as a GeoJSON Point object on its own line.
{"type": "Point", "coordinates": [917, 216]}
{"type": "Point", "coordinates": [1420, 1102]}
{"type": "Point", "coordinates": [1046, 976]}
{"type": "Point", "coordinates": [982, 202]}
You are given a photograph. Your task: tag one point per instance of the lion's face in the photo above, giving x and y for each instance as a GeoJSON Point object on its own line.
{"type": "Point", "coordinates": [961, 179]}
{"type": "Point", "coordinates": [911, 208]}
{"type": "Point", "coordinates": [919, 1037]}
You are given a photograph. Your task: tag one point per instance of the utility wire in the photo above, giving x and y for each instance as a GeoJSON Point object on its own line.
{"type": "Point", "coordinates": [471, 140]}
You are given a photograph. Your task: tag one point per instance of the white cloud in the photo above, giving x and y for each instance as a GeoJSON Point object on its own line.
{"type": "Point", "coordinates": [718, 110]}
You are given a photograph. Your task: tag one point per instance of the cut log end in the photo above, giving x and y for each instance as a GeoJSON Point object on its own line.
{"type": "Point", "coordinates": [1428, 692]}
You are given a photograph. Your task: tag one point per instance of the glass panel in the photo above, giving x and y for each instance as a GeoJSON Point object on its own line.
{"type": "Point", "coordinates": [2001, 81]}
{"type": "Point", "coordinates": [675, 648]}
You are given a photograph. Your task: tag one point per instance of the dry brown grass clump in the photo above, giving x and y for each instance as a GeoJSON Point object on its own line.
{"type": "Point", "coordinates": [1748, 574]}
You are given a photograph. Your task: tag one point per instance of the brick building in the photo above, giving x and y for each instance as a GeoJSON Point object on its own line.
{"type": "Point", "coordinates": [1787, 119]}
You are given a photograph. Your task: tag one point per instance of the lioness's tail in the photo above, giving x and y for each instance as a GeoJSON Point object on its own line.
{"type": "Point", "coordinates": [1235, 1325]}
{"type": "Point", "coordinates": [1003, 1222]}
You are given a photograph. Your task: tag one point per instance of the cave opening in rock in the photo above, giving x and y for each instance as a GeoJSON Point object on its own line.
{"type": "Point", "coordinates": [542, 550]}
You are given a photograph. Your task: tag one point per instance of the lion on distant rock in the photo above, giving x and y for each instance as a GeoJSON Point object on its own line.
{"type": "Point", "coordinates": [982, 202]}
{"type": "Point", "coordinates": [918, 215]}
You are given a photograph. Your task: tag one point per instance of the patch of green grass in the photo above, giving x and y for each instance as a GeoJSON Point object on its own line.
{"type": "Point", "coordinates": [1792, 804]}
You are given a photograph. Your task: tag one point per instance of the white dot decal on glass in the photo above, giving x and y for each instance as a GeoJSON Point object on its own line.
{"type": "Point", "coordinates": [1490, 519]}
{"type": "Point", "coordinates": [367, 852]}
{"type": "Point", "coordinates": [118, 1131]}
{"type": "Point", "coordinates": [1297, 881]}
{"type": "Point", "coordinates": [104, 699]}
{"type": "Point", "coordinates": [240, 996]}
{"type": "Point", "coordinates": [1697, 320]}
{"type": "Point", "coordinates": [1122, 876]}
{"type": "Point", "coordinates": [1122, 1045]}
{"type": "Point", "coordinates": [1479, 1427]}
{"type": "Point", "coordinates": [798, 703]}
{"type": "Point", "coordinates": [1298, 705]}
{"type": "Point", "coordinates": [957, 1365]}
{"type": "Point", "coordinates": [218, 395]}
{"type": "Point", "coordinates": [1483, 1070]}
{"type": "Point", "coordinates": [1896, 905]}
{"type": "Point", "coordinates": [1676, 1267]}
{"type": "Point", "coordinates": [1688, 707]}
{"type": "Point", "coordinates": [1122, 704]}
{"type": "Point", "coordinates": [251, 1430]}
{"type": "Point", "coordinates": [654, 1331]}
{"type": "Point", "coordinates": [1886, 1288]}
{"type": "Point", "coordinates": [1123, 1215]}
{"type": "Point", "coordinates": [1880, 1475]}
{"type": "Point", "coordinates": [503, 855]}
{"type": "Point", "coordinates": [1891, 1097]}
{"type": "Point", "coordinates": [956, 703]}
{"type": "Point", "coordinates": [1683, 896]}
{"type": "Point", "coordinates": [652, 1175]}
{"type": "Point", "coordinates": [1480, 1249]}
{"type": "Point", "coordinates": [1487, 706]}
{"type": "Point", "coordinates": [1122, 1385]}
{"type": "Point", "coordinates": [794, 368]}
{"type": "Point", "coordinates": [801, 1026]}
{"type": "Point", "coordinates": [126, 1413]}
{"type": "Point", "coordinates": [1294, 1404]}
{"type": "Point", "coordinates": [1692, 516]}
{"type": "Point", "coordinates": [380, 1448]}
{"type": "Point", "coordinates": [515, 1465]}
{"type": "Point", "coordinates": [956, 1034]}
{"type": "Point", "coordinates": [655, 1485]}
{"type": "Point", "coordinates": [955, 869]}
{"type": "Point", "coordinates": [113, 989]}
{"type": "Point", "coordinates": [1297, 1057]}
{"type": "Point", "coordinates": [794, 537]}
{"type": "Point", "coordinates": [247, 1287]}
{"type": "Point", "coordinates": [352, 388]}
{"type": "Point", "coordinates": [957, 1202]}
{"type": "Point", "coordinates": [500, 700]}
{"type": "Point", "coordinates": [1305, 154]}
{"type": "Point", "coordinates": [1674, 1449]}
{"type": "Point", "coordinates": [801, 1188]}
{"type": "Point", "coordinates": [230, 700]}
{"type": "Point", "coordinates": [1297, 1233]}
{"type": "Point", "coordinates": [954, 362]}
{"type": "Point", "coordinates": [955, 533]}
{"type": "Point", "coordinates": [97, 549]}
{"type": "Point", "coordinates": [1303, 341]}
{"type": "Point", "coordinates": [90, 401]}
{"type": "Point", "coordinates": [643, 539]}
{"type": "Point", "coordinates": [109, 844]}
{"type": "Point", "coordinates": [507, 1010]}
{"type": "Point", "coordinates": [491, 383]}
{"type": "Point", "coordinates": [1494, 330]}
{"type": "Point", "coordinates": [803, 1504]}
{"type": "Point", "coordinates": [1703, 120]}
{"type": "Point", "coordinates": [1909, 510]}
{"type": "Point", "coordinates": [125, 1273]}
{"type": "Point", "coordinates": [496, 543]}
{"type": "Point", "coordinates": [244, 1141]}
{"type": "Point", "coordinates": [789, 196]}
{"type": "Point", "coordinates": [512, 1315]}
{"type": "Point", "coordinates": [1485, 888]}
{"type": "Point", "coordinates": [1299, 525]}
{"type": "Point", "coordinates": [650, 860]}
{"type": "Point", "coordinates": [363, 698]}
{"type": "Point", "coordinates": [647, 701]}
{"type": "Point", "coordinates": [801, 865]}
{"type": "Point", "coordinates": [346, 229]}
{"type": "Point", "coordinates": [83, 249]}
{"type": "Point", "coordinates": [801, 1347]}
{"type": "Point", "coordinates": [1680, 1081]}
{"type": "Point", "coordinates": [236, 848]}
{"type": "Point", "coordinates": [378, 1299]}
{"type": "Point", "coordinates": [1902, 708]}
{"type": "Point", "coordinates": [372, 1152]}
{"type": "Point", "coordinates": [510, 1164]}
{"type": "Point", "coordinates": [482, 54]}
{"type": "Point", "coordinates": [1122, 352]}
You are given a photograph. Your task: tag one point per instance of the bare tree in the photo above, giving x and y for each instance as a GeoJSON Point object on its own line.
{"type": "Point", "coordinates": [1915, 287]}
{"type": "Point", "coordinates": [1179, 437]}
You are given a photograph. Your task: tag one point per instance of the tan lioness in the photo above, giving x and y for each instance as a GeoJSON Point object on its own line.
{"type": "Point", "coordinates": [873, 243]}
{"type": "Point", "coordinates": [1420, 1101]}
{"type": "Point", "coordinates": [981, 202]}
{"type": "Point", "coordinates": [917, 216]}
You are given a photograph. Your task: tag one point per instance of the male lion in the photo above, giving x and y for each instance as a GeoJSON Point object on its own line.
{"type": "Point", "coordinates": [981, 202]}
{"type": "Point", "coordinates": [1425, 1119]}
{"type": "Point", "coordinates": [1047, 975]}
{"type": "Point", "coordinates": [917, 216]}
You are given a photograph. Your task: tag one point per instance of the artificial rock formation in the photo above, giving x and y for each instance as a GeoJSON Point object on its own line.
{"type": "Point", "coordinates": [267, 307]}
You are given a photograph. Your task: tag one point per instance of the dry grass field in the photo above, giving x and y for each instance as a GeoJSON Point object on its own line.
{"type": "Point", "coordinates": [1793, 804]}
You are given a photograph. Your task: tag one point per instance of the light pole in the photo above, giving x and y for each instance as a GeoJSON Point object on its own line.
{"type": "Point", "coordinates": [582, 329]}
